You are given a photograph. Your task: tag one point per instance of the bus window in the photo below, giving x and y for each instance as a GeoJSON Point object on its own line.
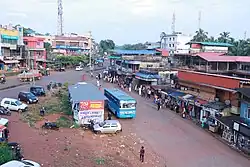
{"type": "Point", "coordinates": [128, 105]}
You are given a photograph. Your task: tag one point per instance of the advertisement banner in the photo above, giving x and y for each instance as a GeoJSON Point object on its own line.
{"type": "Point", "coordinates": [91, 110]}
{"type": "Point", "coordinates": [91, 105]}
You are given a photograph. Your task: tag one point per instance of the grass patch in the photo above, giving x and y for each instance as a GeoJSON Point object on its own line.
{"type": "Point", "coordinates": [56, 102]}
{"type": "Point", "coordinates": [64, 122]}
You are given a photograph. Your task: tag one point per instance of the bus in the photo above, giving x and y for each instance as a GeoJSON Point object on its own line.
{"type": "Point", "coordinates": [120, 103]}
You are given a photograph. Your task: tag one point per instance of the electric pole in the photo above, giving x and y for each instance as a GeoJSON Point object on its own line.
{"type": "Point", "coordinates": [90, 51]}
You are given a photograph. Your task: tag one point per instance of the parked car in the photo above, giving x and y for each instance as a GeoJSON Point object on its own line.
{"type": "Point", "coordinates": [21, 163]}
{"type": "Point", "coordinates": [37, 90]}
{"type": "Point", "coordinates": [14, 104]}
{"type": "Point", "coordinates": [79, 68]}
{"type": "Point", "coordinates": [27, 97]}
{"type": "Point", "coordinates": [108, 126]}
{"type": "Point", "coordinates": [4, 111]}
{"type": "Point", "coordinates": [60, 69]}
{"type": "Point", "coordinates": [4, 122]}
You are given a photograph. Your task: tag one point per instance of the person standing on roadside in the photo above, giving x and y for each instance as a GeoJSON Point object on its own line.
{"type": "Point", "coordinates": [142, 153]}
{"type": "Point", "coordinates": [158, 104]}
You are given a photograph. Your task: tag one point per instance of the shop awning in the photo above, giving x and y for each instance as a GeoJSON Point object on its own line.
{"type": "Point", "coordinates": [114, 57]}
{"type": "Point", "coordinates": [11, 61]}
{"type": "Point", "coordinates": [177, 94]}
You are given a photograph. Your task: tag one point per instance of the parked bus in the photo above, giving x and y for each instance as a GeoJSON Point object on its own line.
{"type": "Point", "coordinates": [120, 103]}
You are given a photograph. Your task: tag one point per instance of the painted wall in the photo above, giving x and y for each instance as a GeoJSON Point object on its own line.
{"type": "Point", "coordinates": [7, 32]}
{"type": "Point", "coordinates": [244, 107]}
{"type": "Point", "coordinates": [209, 79]}
{"type": "Point", "coordinates": [34, 42]}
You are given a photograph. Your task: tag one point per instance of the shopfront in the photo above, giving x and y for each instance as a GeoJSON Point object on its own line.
{"type": "Point", "coordinates": [242, 136]}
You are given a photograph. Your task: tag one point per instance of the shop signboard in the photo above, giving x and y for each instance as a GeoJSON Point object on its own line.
{"type": "Point", "coordinates": [91, 110]}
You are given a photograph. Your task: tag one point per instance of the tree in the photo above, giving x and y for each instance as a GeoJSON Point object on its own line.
{"type": "Point", "coordinates": [200, 36]}
{"type": "Point", "coordinates": [106, 45]}
{"type": "Point", "coordinates": [5, 153]}
{"type": "Point", "coordinates": [138, 46]}
{"type": "Point", "coordinates": [212, 39]}
{"type": "Point", "coordinates": [224, 37]}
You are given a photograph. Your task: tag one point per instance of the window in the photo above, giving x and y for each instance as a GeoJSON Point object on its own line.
{"type": "Point", "coordinates": [169, 45]}
{"type": "Point", "coordinates": [38, 43]}
{"type": "Point", "coordinates": [169, 39]}
{"type": "Point", "coordinates": [114, 125]}
{"type": "Point", "coordinates": [106, 126]}
{"type": "Point", "coordinates": [149, 65]}
{"type": "Point", "coordinates": [173, 45]}
{"type": "Point", "coordinates": [173, 38]}
{"type": "Point", "coordinates": [13, 104]}
{"type": "Point", "coordinates": [7, 102]}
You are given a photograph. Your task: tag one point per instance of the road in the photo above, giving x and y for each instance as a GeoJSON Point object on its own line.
{"type": "Point", "coordinates": [179, 142]}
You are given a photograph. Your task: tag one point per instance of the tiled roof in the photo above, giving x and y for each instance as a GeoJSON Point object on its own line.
{"type": "Point", "coordinates": [215, 57]}
{"type": "Point", "coordinates": [208, 54]}
{"type": "Point", "coordinates": [134, 52]}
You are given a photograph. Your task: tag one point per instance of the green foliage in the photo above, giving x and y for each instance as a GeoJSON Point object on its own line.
{"type": "Point", "coordinates": [106, 45]}
{"type": "Point", "coordinates": [5, 153]}
{"type": "Point", "coordinates": [64, 122]}
{"type": "Point", "coordinates": [65, 103]}
{"type": "Point", "coordinates": [240, 47]}
{"type": "Point", "coordinates": [72, 60]}
{"type": "Point", "coordinates": [138, 46]}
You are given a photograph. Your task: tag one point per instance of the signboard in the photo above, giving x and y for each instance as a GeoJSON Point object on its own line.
{"type": "Point", "coordinates": [91, 110]}
{"type": "Point", "coordinates": [236, 126]}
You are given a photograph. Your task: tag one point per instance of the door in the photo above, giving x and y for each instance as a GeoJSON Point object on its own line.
{"type": "Point", "coordinates": [106, 129]}
{"type": "Point", "coordinates": [13, 106]}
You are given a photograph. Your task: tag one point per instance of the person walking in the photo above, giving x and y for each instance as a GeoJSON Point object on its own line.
{"type": "Point", "coordinates": [142, 153]}
{"type": "Point", "coordinates": [158, 104]}
{"type": "Point", "coordinates": [149, 93]}
{"type": "Point", "coordinates": [140, 90]}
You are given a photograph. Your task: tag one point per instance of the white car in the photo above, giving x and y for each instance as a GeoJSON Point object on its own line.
{"type": "Point", "coordinates": [22, 163]}
{"type": "Point", "coordinates": [108, 126]}
{"type": "Point", "coordinates": [14, 104]}
{"type": "Point", "coordinates": [79, 68]}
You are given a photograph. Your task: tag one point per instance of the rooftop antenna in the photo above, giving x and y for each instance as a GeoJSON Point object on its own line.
{"type": "Point", "coordinates": [59, 18]}
{"type": "Point", "coordinates": [245, 35]}
{"type": "Point", "coordinates": [173, 23]}
{"type": "Point", "coordinates": [199, 20]}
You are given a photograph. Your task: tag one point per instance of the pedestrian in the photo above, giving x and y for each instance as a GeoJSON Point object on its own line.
{"type": "Point", "coordinates": [158, 104]}
{"type": "Point", "coordinates": [98, 83]}
{"type": "Point", "coordinates": [109, 116]}
{"type": "Point", "coordinates": [6, 134]}
{"type": "Point", "coordinates": [149, 93]}
{"type": "Point", "coordinates": [140, 91]}
{"type": "Point", "coordinates": [142, 153]}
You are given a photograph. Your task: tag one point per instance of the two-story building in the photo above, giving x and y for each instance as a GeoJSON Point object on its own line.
{"type": "Point", "coordinates": [133, 60]}
{"type": "Point", "coordinates": [216, 48]}
{"type": "Point", "coordinates": [71, 44]}
{"type": "Point", "coordinates": [36, 53]}
{"type": "Point", "coordinates": [11, 46]}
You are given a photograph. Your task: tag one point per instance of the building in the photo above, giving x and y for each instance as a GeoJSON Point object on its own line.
{"type": "Point", "coordinates": [36, 53]}
{"type": "Point", "coordinates": [196, 47]}
{"type": "Point", "coordinates": [212, 87]}
{"type": "Point", "coordinates": [11, 46]}
{"type": "Point", "coordinates": [176, 43]}
{"type": "Point", "coordinates": [71, 44]}
{"type": "Point", "coordinates": [133, 60]}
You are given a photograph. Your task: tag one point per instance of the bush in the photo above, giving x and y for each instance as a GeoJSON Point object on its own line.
{"type": "Point", "coordinates": [64, 122]}
{"type": "Point", "coordinates": [5, 153]}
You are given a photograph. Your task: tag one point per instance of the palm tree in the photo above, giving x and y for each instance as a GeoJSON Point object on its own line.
{"type": "Point", "coordinates": [212, 39]}
{"type": "Point", "coordinates": [162, 36]}
{"type": "Point", "coordinates": [200, 36]}
{"type": "Point", "coordinates": [224, 37]}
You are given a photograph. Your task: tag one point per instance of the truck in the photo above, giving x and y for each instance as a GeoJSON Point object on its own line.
{"type": "Point", "coordinates": [29, 76]}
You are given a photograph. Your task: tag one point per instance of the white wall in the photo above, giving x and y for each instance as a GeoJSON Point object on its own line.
{"type": "Point", "coordinates": [214, 48]}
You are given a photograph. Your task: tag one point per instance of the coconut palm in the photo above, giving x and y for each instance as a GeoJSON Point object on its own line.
{"type": "Point", "coordinates": [200, 36]}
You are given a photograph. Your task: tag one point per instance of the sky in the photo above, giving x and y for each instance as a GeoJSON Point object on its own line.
{"type": "Point", "coordinates": [130, 21]}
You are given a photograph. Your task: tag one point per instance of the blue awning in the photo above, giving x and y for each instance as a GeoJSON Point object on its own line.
{"type": "Point", "coordinates": [147, 76]}
{"type": "Point", "coordinates": [177, 94]}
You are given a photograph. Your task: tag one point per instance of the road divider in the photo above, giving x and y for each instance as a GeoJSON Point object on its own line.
{"type": "Point", "coordinates": [14, 86]}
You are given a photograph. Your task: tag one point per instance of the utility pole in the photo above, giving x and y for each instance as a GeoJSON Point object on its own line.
{"type": "Point", "coordinates": [199, 20]}
{"type": "Point", "coordinates": [90, 51]}
{"type": "Point", "coordinates": [32, 67]}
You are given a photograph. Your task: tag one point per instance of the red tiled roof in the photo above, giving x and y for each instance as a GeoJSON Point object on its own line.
{"type": "Point", "coordinates": [164, 52]}
{"type": "Point", "coordinates": [216, 57]}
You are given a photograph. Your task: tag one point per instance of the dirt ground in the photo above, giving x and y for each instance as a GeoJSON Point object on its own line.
{"type": "Point", "coordinates": [71, 147]}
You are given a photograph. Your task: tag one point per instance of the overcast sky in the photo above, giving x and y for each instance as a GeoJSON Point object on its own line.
{"type": "Point", "coordinates": [130, 21]}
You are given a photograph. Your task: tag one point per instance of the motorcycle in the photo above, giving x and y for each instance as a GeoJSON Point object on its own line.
{"type": "Point", "coordinates": [50, 125]}
{"type": "Point", "coordinates": [2, 80]}
{"type": "Point", "coordinates": [4, 111]}
{"type": "Point", "coordinates": [17, 151]}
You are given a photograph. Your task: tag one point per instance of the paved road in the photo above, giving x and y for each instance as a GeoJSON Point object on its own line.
{"type": "Point", "coordinates": [180, 142]}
